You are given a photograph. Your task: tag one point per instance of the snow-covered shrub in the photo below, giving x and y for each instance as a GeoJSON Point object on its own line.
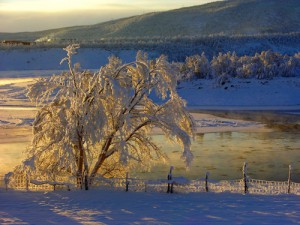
{"type": "Point", "coordinates": [296, 60]}
{"type": "Point", "coordinates": [198, 65]}
{"type": "Point", "coordinates": [183, 74]}
{"type": "Point", "coordinates": [273, 64]}
{"type": "Point", "coordinates": [269, 65]}
{"type": "Point", "coordinates": [296, 57]}
{"type": "Point", "coordinates": [224, 64]}
{"type": "Point", "coordinates": [288, 67]}
{"type": "Point", "coordinates": [264, 65]}
{"type": "Point", "coordinates": [244, 67]}
{"type": "Point", "coordinates": [223, 67]}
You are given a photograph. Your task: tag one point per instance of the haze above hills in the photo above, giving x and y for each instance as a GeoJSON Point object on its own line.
{"type": "Point", "coordinates": [232, 17]}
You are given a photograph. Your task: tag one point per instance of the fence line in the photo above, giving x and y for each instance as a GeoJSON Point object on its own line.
{"type": "Point", "coordinates": [23, 182]}
{"type": "Point", "coordinates": [169, 185]}
{"type": "Point", "coordinates": [187, 186]}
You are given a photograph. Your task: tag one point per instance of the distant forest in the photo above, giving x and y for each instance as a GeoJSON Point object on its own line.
{"type": "Point", "coordinates": [177, 48]}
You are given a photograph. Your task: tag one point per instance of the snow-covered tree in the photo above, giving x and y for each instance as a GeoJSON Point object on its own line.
{"type": "Point", "coordinates": [224, 64]}
{"type": "Point", "coordinates": [93, 123]}
{"type": "Point", "coordinates": [222, 67]}
{"type": "Point", "coordinates": [198, 65]}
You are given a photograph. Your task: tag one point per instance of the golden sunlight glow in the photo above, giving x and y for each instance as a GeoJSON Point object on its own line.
{"type": "Point", "coordinates": [46, 6]}
{"type": "Point", "coordinates": [66, 5]}
{"type": "Point", "coordinates": [4, 81]}
{"type": "Point", "coordinates": [36, 15]}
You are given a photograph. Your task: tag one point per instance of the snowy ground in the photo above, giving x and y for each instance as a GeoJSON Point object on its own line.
{"type": "Point", "coordinates": [243, 94]}
{"type": "Point", "coordinates": [104, 207]}
{"type": "Point", "coordinates": [49, 58]}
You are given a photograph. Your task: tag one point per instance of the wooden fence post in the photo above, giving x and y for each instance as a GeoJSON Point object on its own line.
{"type": "Point", "coordinates": [245, 177]}
{"type": "Point", "coordinates": [127, 182]}
{"type": "Point", "coordinates": [86, 186]}
{"type": "Point", "coordinates": [206, 181]}
{"type": "Point", "coordinates": [7, 179]}
{"type": "Point", "coordinates": [170, 185]}
{"type": "Point", "coordinates": [289, 179]}
{"type": "Point", "coordinates": [27, 182]}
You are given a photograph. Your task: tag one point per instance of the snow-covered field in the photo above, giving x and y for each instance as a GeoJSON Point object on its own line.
{"type": "Point", "coordinates": [243, 94]}
{"type": "Point", "coordinates": [105, 207]}
{"type": "Point", "coordinates": [49, 58]}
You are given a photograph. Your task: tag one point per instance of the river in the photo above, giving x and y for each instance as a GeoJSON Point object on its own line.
{"type": "Point", "coordinates": [268, 154]}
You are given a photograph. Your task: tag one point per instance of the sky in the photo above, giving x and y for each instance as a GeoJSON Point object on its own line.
{"type": "Point", "coordinates": [35, 15]}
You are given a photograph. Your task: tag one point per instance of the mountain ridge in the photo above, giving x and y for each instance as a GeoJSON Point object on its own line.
{"type": "Point", "coordinates": [231, 17]}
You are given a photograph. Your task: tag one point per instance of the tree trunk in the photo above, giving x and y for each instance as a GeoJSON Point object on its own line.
{"type": "Point", "coordinates": [79, 149]}
{"type": "Point", "coordinates": [86, 174]}
{"type": "Point", "coordinates": [101, 158]}
{"type": "Point", "coordinates": [96, 168]}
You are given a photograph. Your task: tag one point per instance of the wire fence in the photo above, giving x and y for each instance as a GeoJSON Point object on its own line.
{"type": "Point", "coordinates": [193, 186]}
{"type": "Point", "coordinates": [21, 181]}
{"type": "Point", "coordinates": [174, 185]}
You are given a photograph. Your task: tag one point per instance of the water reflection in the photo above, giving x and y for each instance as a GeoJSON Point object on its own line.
{"type": "Point", "coordinates": [223, 154]}
{"type": "Point", "coordinates": [12, 155]}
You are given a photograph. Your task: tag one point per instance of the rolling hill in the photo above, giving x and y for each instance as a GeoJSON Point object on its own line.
{"type": "Point", "coordinates": [231, 17]}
